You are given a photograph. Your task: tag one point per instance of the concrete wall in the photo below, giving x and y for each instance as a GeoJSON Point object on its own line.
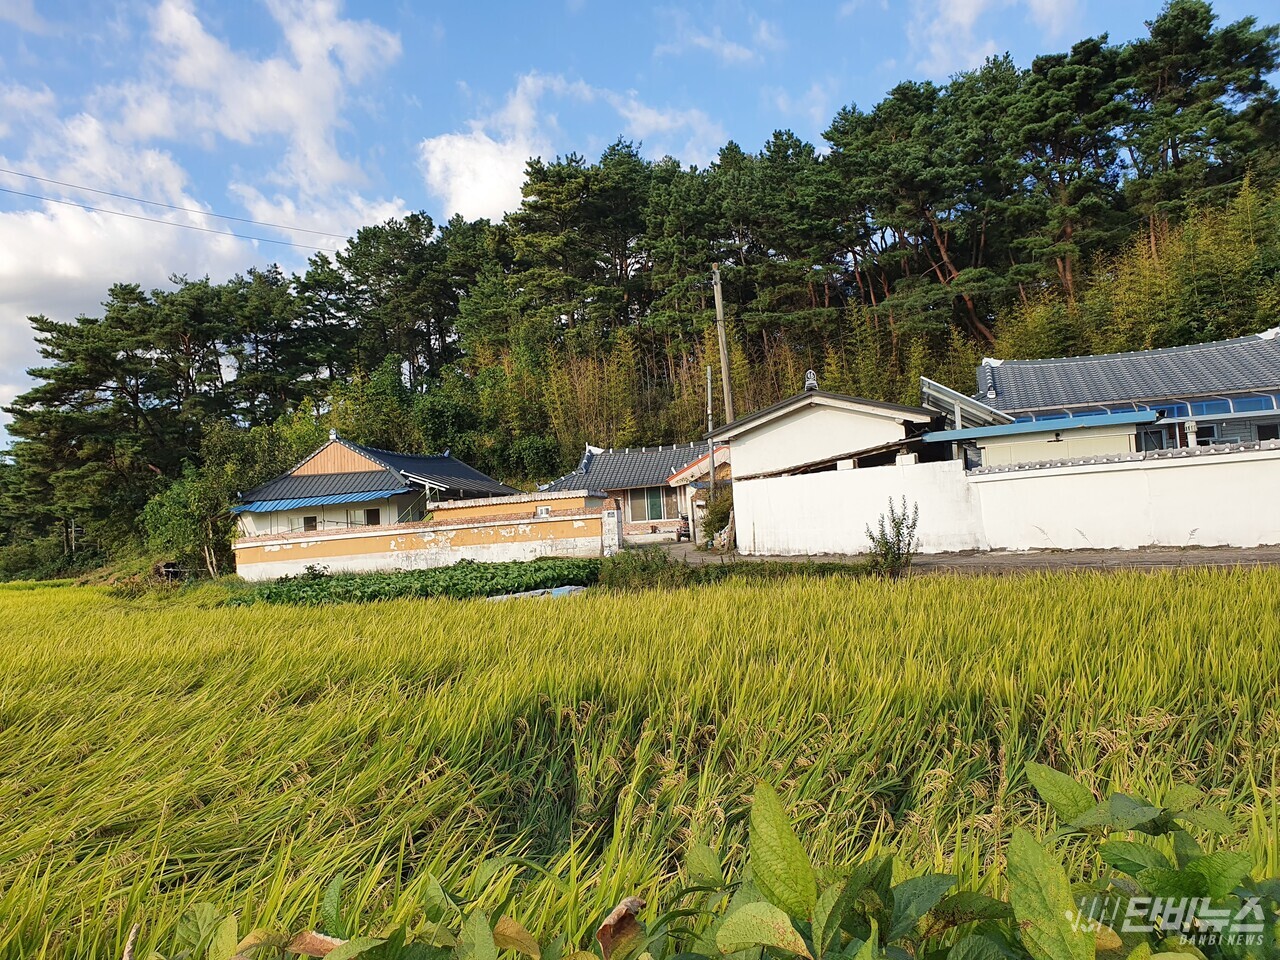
{"type": "Point", "coordinates": [1201, 499]}
{"type": "Point", "coordinates": [829, 512]}
{"type": "Point", "coordinates": [809, 434]}
{"type": "Point", "coordinates": [1194, 499]}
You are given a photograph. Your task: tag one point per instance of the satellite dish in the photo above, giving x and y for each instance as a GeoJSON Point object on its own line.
{"type": "Point", "coordinates": [810, 381]}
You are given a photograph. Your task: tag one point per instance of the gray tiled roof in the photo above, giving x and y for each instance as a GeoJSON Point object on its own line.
{"type": "Point", "coordinates": [1203, 369]}
{"type": "Point", "coordinates": [628, 468]}
{"type": "Point", "coordinates": [458, 479]}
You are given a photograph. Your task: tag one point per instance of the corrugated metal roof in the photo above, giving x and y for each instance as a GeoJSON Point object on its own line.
{"type": "Point", "coordinates": [628, 468]}
{"type": "Point", "coordinates": [270, 506]}
{"type": "Point", "coordinates": [1197, 370]}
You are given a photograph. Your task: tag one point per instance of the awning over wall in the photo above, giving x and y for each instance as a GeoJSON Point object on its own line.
{"type": "Point", "coordinates": [270, 506]}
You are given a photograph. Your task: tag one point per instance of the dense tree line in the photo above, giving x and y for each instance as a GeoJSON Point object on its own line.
{"type": "Point", "coordinates": [1116, 196]}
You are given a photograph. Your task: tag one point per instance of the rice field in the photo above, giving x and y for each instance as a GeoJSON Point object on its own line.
{"type": "Point", "coordinates": [157, 753]}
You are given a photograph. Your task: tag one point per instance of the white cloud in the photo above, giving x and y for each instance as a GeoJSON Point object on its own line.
{"type": "Point", "coordinates": [813, 108]}
{"type": "Point", "coordinates": [685, 36]}
{"type": "Point", "coordinates": [944, 34]}
{"type": "Point", "coordinates": [19, 103]}
{"type": "Point", "coordinates": [1054, 16]}
{"type": "Point", "coordinates": [479, 172]}
{"type": "Point", "coordinates": [22, 14]}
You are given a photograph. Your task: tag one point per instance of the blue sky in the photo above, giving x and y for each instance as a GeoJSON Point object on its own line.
{"type": "Point", "coordinates": [322, 116]}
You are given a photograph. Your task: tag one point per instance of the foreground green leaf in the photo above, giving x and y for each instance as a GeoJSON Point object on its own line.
{"type": "Point", "coordinates": [779, 863]}
{"type": "Point", "coordinates": [760, 925]}
{"type": "Point", "coordinates": [1042, 903]}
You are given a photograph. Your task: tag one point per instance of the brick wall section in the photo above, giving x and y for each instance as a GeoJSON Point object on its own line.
{"type": "Point", "coordinates": [648, 527]}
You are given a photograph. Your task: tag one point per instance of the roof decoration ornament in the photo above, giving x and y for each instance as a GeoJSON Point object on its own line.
{"type": "Point", "coordinates": [810, 381]}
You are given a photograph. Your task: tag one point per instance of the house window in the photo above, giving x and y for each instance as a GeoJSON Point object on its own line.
{"type": "Point", "coordinates": [652, 503]}
{"type": "Point", "coordinates": [1206, 434]}
{"type": "Point", "coordinates": [308, 523]}
{"type": "Point", "coordinates": [1269, 431]}
{"type": "Point", "coordinates": [373, 517]}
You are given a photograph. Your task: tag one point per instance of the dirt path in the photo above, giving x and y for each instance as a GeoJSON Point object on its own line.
{"type": "Point", "coordinates": [1150, 558]}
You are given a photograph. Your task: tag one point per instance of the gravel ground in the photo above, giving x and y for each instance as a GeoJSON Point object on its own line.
{"type": "Point", "coordinates": [1150, 558]}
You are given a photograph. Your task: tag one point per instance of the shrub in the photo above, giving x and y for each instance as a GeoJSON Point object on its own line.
{"type": "Point", "coordinates": [894, 543]}
{"type": "Point", "coordinates": [718, 512]}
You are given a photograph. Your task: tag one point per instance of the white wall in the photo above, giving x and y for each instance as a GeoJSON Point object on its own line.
{"type": "Point", "coordinates": [829, 512]}
{"type": "Point", "coordinates": [1210, 499]}
{"type": "Point", "coordinates": [809, 434]}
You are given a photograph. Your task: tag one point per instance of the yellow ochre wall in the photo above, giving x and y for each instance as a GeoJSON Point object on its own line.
{"type": "Point", "coordinates": [1035, 447]}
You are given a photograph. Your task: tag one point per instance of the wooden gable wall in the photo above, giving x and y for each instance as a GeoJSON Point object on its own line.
{"type": "Point", "coordinates": [335, 457]}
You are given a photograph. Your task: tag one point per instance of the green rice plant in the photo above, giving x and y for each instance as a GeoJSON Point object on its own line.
{"type": "Point", "coordinates": [157, 753]}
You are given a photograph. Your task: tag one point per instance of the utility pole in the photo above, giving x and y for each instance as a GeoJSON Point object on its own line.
{"type": "Point", "coordinates": [711, 445]}
{"type": "Point", "coordinates": [724, 346]}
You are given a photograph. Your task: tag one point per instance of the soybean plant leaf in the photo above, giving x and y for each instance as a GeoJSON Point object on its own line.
{"type": "Point", "coordinates": [1185, 848]}
{"type": "Point", "coordinates": [1105, 939]}
{"type": "Point", "coordinates": [509, 934]}
{"type": "Point", "coordinates": [778, 862]}
{"type": "Point", "coordinates": [1068, 797]}
{"type": "Point", "coordinates": [1182, 797]}
{"type": "Point", "coordinates": [915, 897]}
{"type": "Point", "coordinates": [1132, 858]}
{"type": "Point", "coordinates": [967, 906]}
{"type": "Point", "coordinates": [829, 914]}
{"type": "Point", "coordinates": [1172, 883]}
{"type": "Point", "coordinates": [1221, 871]}
{"type": "Point", "coordinates": [1209, 819]}
{"type": "Point", "coordinates": [331, 908]}
{"type": "Point", "coordinates": [353, 948]}
{"type": "Point", "coordinates": [436, 903]}
{"type": "Point", "coordinates": [226, 938]}
{"type": "Point", "coordinates": [196, 926]}
{"type": "Point", "coordinates": [760, 925]}
{"type": "Point", "coordinates": [1042, 903]}
{"type": "Point", "coordinates": [475, 942]}
{"type": "Point", "coordinates": [1118, 812]}
{"type": "Point", "coordinates": [702, 866]}
{"type": "Point", "coordinates": [976, 947]}
{"type": "Point", "coordinates": [1213, 875]}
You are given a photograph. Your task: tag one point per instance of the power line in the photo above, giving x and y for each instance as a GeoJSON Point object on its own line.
{"type": "Point", "coordinates": [170, 206]}
{"type": "Point", "coordinates": [167, 223]}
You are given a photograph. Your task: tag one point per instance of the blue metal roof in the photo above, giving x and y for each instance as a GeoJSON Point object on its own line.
{"type": "Point", "coordinates": [270, 506]}
{"type": "Point", "coordinates": [1042, 426]}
